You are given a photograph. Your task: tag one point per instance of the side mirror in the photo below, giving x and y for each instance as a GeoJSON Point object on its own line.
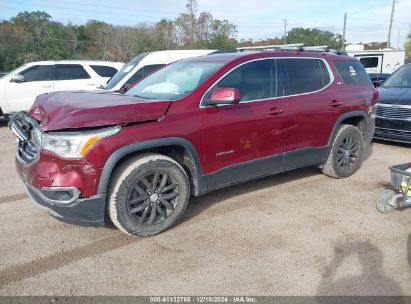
{"type": "Point", "coordinates": [222, 96]}
{"type": "Point", "coordinates": [17, 78]}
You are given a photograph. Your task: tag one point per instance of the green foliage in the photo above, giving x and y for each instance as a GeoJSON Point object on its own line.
{"type": "Point", "coordinates": [314, 36]}
{"type": "Point", "coordinates": [408, 46]}
{"type": "Point", "coordinates": [34, 36]}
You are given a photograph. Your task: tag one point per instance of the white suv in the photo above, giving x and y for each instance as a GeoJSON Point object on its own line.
{"type": "Point", "coordinates": [19, 88]}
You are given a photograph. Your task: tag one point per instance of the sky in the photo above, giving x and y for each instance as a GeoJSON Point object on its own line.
{"type": "Point", "coordinates": [257, 19]}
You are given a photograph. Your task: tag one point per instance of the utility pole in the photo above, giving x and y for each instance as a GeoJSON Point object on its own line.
{"type": "Point", "coordinates": [398, 39]}
{"type": "Point", "coordinates": [390, 27]}
{"type": "Point", "coordinates": [285, 31]}
{"type": "Point", "coordinates": [343, 35]}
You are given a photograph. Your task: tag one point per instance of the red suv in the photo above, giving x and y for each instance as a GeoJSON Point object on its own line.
{"type": "Point", "coordinates": [194, 126]}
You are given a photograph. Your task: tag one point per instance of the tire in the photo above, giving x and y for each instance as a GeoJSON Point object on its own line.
{"type": "Point", "coordinates": [385, 200]}
{"type": "Point", "coordinates": [148, 194]}
{"type": "Point", "coordinates": [346, 153]}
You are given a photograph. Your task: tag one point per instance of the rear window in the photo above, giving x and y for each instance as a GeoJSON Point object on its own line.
{"type": "Point", "coordinates": [306, 75]}
{"type": "Point", "coordinates": [70, 72]}
{"type": "Point", "coordinates": [104, 71]}
{"type": "Point", "coordinates": [352, 72]}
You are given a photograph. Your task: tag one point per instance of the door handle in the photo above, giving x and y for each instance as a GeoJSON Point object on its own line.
{"type": "Point", "coordinates": [336, 103]}
{"type": "Point", "coordinates": [91, 84]}
{"type": "Point", "coordinates": [275, 111]}
{"type": "Point", "coordinates": [46, 86]}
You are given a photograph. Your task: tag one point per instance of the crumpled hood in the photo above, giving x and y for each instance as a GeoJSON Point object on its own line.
{"type": "Point", "coordinates": [82, 109]}
{"type": "Point", "coordinates": [399, 96]}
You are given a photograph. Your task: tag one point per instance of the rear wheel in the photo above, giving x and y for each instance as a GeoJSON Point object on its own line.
{"type": "Point", "coordinates": [148, 195]}
{"type": "Point", "coordinates": [345, 157]}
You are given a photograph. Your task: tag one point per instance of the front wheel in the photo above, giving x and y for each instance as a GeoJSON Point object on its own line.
{"type": "Point", "coordinates": [345, 157]}
{"type": "Point", "coordinates": [148, 194]}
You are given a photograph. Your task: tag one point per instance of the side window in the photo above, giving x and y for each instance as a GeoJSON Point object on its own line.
{"type": "Point", "coordinates": [70, 72]}
{"type": "Point", "coordinates": [306, 75]}
{"type": "Point", "coordinates": [37, 73]}
{"type": "Point", "coordinates": [255, 80]}
{"type": "Point", "coordinates": [143, 72]}
{"type": "Point", "coordinates": [104, 71]}
{"type": "Point", "coordinates": [352, 72]}
{"type": "Point", "coordinates": [369, 62]}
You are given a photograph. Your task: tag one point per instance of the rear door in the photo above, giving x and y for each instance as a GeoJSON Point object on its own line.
{"type": "Point", "coordinates": [37, 80]}
{"type": "Point", "coordinates": [313, 103]}
{"type": "Point", "coordinates": [69, 77]}
{"type": "Point", "coordinates": [251, 130]}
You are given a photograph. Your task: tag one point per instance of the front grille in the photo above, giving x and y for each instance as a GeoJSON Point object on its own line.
{"type": "Point", "coordinates": [394, 112]}
{"type": "Point", "coordinates": [23, 127]}
{"type": "Point", "coordinates": [392, 133]}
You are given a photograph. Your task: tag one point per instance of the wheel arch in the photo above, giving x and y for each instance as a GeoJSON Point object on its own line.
{"type": "Point", "coordinates": [355, 118]}
{"type": "Point", "coordinates": [180, 149]}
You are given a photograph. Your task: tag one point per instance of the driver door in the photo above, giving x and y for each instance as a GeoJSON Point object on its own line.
{"type": "Point", "coordinates": [37, 80]}
{"type": "Point", "coordinates": [245, 140]}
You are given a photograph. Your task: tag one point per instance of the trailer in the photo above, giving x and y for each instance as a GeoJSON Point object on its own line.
{"type": "Point", "coordinates": [384, 61]}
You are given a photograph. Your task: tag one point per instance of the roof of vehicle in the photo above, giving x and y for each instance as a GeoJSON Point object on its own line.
{"type": "Point", "coordinates": [75, 62]}
{"type": "Point", "coordinates": [228, 57]}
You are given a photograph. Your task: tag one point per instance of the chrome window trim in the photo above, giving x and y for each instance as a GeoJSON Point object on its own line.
{"type": "Point", "coordinates": [202, 106]}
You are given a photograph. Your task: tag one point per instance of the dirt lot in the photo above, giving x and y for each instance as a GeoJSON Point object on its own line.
{"type": "Point", "coordinates": [298, 233]}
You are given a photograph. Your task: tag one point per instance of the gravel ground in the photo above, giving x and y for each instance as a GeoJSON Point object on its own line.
{"type": "Point", "coordinates": [297, 233]}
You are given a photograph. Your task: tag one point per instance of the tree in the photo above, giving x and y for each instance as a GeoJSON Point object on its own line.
{"type": "Point", "coordinates": [204, 31]}
{"type": "Point", "coordinates": [408, 46]}
{"type": "Point", "coordinates": [314, 36]}
{"type": "Point", "coordinates": [222, 32]}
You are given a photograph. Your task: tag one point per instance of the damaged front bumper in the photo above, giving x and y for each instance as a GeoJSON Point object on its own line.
{"type": "Point", "coordinates": [87, 212]}
{"type": "Point", "coordinates": [66, 189]}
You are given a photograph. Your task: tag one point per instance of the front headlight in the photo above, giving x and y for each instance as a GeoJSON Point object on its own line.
{"type": "Point", "coordinates": [75, 145]}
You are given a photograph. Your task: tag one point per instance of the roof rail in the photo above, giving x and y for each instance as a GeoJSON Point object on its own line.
{"type": "Point", "coordinates": [271, 47]}
{"type": "Point", "coordinates": [293, 47]}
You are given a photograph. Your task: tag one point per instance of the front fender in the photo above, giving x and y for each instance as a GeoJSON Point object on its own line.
{"type": "Point", "coordinates": [117, 156]}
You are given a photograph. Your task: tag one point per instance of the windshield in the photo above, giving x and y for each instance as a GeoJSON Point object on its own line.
{"type": "Point", "coordinates": [175, 80]}
{"type": "Point", "coordinates": [125, 70]}
{"type": "Point", "coordinates": [400, 79]}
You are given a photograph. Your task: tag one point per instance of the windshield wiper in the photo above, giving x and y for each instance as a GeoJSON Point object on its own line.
{"type": "Point", "coordinates": [142, 97]}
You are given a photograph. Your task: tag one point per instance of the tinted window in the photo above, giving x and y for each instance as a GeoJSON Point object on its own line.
{"type": "Point", "coordinates": [306, 75]}
{"type": "Point", "coordinates": [369, 62]}
{"type": "Point", "coordinates": [352, 72]}
{"type": "Point", "coordinates": [70, 72]}
{"type": "Point", "coordinates": [37, 73]}
{"type": "Point", "coordinates": [143, 72]}
{"type": "Point", "coordinates": [255, 80]}
{"type": "Point", "coordinates": [104, 71]}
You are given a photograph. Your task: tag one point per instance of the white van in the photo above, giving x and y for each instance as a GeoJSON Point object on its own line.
{"type": "Point", "coordinates": [19, 88]}
{"type": "Point", "coordinates": [143, 64]}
